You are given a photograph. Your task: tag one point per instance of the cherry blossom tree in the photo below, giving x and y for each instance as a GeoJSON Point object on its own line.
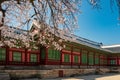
{"type": "Point", "coordinates": [55, 13]}
{"type": "Point", "coordinates": [55, 17]}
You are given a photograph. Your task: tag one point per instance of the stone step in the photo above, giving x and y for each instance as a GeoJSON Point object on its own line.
{"type": "Point", "coordinates": [4, 76]}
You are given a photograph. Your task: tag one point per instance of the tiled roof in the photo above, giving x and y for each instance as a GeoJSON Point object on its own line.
{"type": "Point", "coordinates": [113, 48]}
{"type": "Point", "coordinates": [86, 42]}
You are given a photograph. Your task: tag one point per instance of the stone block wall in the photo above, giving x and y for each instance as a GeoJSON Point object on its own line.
{"type": "Point", "coordinates": [21, 73]}
{"type": "Point", "coordinates": [105, 70]}
{"type": "Point", "coordinates": [48, 73]}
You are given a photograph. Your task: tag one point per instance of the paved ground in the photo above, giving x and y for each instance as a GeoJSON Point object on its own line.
{"type": "Point", "coordinates": [109, 76]}
{"type": "Point", "coordinates": [91, 77]}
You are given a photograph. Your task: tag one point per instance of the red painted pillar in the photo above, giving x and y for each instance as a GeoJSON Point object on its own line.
{"type": "Point", "coordinates": [23, 57]}
{"type": "Point", "coordinates": [7, 55]}
{"type": "Point", "coordinates": [10, 56]}
{"type": "Point", "coordinates": [107, 60]}
{"type": "Point", "coordinates": [26, 52]}
{"type": "Point", "coordinates": [61, 53]}
{"type": "Point", "coordinates": [71, 56]}
{"type": "Point", "coordinates": [117, 60]}
{"type": "Point", "coordinates": [80, 56]}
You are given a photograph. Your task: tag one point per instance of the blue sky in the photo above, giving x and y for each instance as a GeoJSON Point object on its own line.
{"type": "Point", "coordinates": [99, 25]}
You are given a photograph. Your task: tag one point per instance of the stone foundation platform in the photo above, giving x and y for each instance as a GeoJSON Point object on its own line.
{"type": "Point", "coordinates": [50, 73]}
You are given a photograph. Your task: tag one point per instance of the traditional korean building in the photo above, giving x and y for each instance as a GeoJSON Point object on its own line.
{"type": "Point", "coordinates": [81, 53]}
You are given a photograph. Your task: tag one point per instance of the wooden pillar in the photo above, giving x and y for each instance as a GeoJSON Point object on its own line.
{"type": "Point", "coordinates": [7, 55]}
{"type": "Point", "coordinates": [107, 61]}
{"type": "Point", "coordinates": [117, 60]}
{"type": "Point", "coordinates": [80, 56]}
{"type": "Point", "coordinates": [61, 53]}
{"type": "Point", "coordinates": [38, 57]}
{"type": "Point", "coordinates": [71, 56]}
{"type": "Point", "coordinates": [26, 52]}
{"type": "Point", "coordinates": [104, 59]}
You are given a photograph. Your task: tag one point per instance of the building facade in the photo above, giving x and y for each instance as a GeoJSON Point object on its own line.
{"type": "Point", "coordinates": [81, 53]}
